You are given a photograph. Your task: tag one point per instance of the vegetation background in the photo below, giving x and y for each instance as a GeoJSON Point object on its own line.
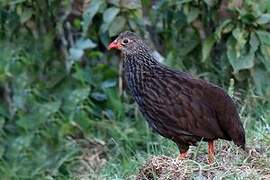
{"type": "Point", "coordinates": [63, 112]}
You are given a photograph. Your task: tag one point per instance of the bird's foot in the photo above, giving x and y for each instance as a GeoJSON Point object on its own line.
{"type": "Point", "coordinates": [211, 158]}
{"type": "Point", "coordinates": [182, 156]}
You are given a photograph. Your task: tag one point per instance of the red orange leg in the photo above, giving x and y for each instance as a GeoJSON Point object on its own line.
{"type": "Point", "coordinates": [182, 155]}
{"type": "Point", "coordinates": [211, 152]}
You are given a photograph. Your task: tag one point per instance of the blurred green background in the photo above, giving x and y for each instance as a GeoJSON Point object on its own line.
{"type": "Point", "coordinates": [63, 113]}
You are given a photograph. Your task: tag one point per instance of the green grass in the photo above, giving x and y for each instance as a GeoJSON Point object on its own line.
{"type": "Point", "coordinates": [129, 143]}
{"type": "Point", "coordinates": [117, 146]}
{"type": "Point", "coordinates": [61, 116]}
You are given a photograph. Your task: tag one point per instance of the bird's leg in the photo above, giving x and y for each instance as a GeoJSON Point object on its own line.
{"type": "Point", "coordinates": [211, 152]}
{"type": "Point", "coordinates": [182, 155]}
{"type": "Point", "coordinates": [183, 149]}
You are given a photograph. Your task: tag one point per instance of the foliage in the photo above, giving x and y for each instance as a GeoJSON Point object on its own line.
{"type": "Point", "coordinates": [230, 36]}
{"type": "Point", "coordinates": [58, 84]}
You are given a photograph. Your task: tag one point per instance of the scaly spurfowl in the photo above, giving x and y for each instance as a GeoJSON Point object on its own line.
{"type": "Point", "coordinates": [175, 104]}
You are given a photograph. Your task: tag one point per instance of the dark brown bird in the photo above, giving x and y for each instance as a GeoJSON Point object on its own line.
{"type": "Point", "coordinates": [175, 104]}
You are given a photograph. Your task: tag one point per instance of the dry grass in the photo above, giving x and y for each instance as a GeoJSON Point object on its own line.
{"type": "Point", "coordinates": [231, 162]}
{"type": "Point", "coordinates": [90, 163]}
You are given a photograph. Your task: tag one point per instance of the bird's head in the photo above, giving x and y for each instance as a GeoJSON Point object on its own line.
{"type": "Point", "coordinates": [128, 43]}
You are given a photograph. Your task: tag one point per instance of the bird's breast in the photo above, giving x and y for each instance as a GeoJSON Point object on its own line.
{"type": "Point", "coordinates": [135, 85]}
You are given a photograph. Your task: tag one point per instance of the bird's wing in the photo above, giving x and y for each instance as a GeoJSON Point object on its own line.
{"type": "Point", "coordinates": [177, 105]}
{"type": "Point", "coordinates": [226, 112]}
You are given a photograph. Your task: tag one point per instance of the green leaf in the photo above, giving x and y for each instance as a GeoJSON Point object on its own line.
{"type": "Point", "coordinates": [261, 80]}
{"type": "Point", "coordinates": [110, 14]}
{"type": "Point", "coordinates": [74, 98]}
{"type": "Point", "coordinates": [263, 19]}
{"type": "Point", "coordinates": [2, 151]}
{"type": "Point", "coordinates": [41, 113]}
{"type": "Point", "coordinates": [104, 27]}
{"type": "Point", "coordinates": [207, 46]}
{"type": "Point", "coordinates": [99, 96]}
{"type": "Point", "coordinates": [84, 44]}
{"type": "Point", "coordinates": [193, 14]}
{"type": "Point", "coordinates": [210, 3]}
{"type": "Point", "coordinates": [83, 75]}
{"type": "Point", "coordinates": [264, 37]}
{"type": "Point", "coordinates": [26, 122]}
{"type": "Point", "coordinates": [114, 2]}
{"type": "Point", "coordinates": [254, 42]}
{"type": "Point", "coordinates": [109, 114]}
{"type": "Point", "coordinates": [228, 28]}
{"type": "Point", "coordinates": [264, 48]}
{"type": "Point", "coordinates": [78, 95]}
{"type": "Point", "coordinates": [117, 26]}
{"type": "Point", "coordinates": [80, 118]}
{"type": "Point", "coordinates": [240, 36]}
{"type": "Point", "coordinates": [26, 15]}
{"type": "Point", "coordinates": [14, 2]}
{"type": "Point", "coordinates": [49, 108]}
{"type": "Point", "coordinates": [245, 59]}
{"type": "Point", "coordinates": [133, 24]}
{"type": "Point", "coordinates": [90, 12]}
{"type": "Point", "coordinates": [75, 53]}
{"type": "Point", "coordinates": [187, 43]}
{"type": "Point", "coordinates": [104, 37]}
{"type": "Point", "coordinates": [108, 84]}
{"type": "Point", "coordinates": [131, 4]}
{"type": "Point", "coordinates": [221, 28]}
{"type": "Point", "coordinates": [265, 58]}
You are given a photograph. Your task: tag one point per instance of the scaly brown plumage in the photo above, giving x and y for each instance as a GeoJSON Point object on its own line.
{"type": "Point", "coordinates": [176, 105]}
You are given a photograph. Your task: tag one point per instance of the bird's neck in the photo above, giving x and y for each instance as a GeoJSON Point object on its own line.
{"type": "Point", "coordinates": [136, 67]}
{"type": "Point", "coordinates": [138, 61]}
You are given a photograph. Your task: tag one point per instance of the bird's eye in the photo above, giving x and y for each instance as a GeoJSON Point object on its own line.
{"type": "Point", "coordinates": [125, 41]}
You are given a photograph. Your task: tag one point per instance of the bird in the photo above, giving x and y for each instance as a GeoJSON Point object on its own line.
{"type": "Point", "coordinates": [175, 104]}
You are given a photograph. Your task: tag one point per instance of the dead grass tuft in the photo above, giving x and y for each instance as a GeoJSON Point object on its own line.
{"type": "Point", "coordinates": [231, 162]}
{"type": "Point", "coordinates": [91, 161]}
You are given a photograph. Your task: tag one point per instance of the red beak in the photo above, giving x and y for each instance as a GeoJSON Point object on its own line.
{"type": "Point", "coordinates": [113, 45]}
